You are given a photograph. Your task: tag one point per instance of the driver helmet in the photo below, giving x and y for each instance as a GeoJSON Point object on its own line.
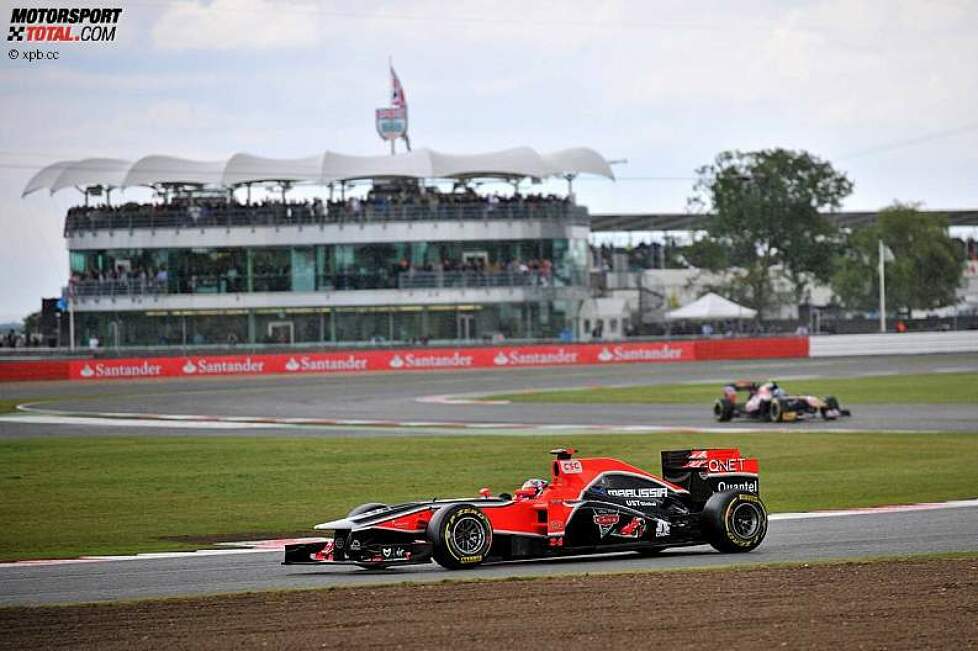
{"type": "Point", "coordinates": [776, 391]}
{"type": "Point", "coordinates": [536, 485]}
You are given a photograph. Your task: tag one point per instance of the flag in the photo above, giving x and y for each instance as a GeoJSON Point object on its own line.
{"type": "Point", "coordinates": [886, 253]}
{"type": "Point", "coordinates": [397, 92]}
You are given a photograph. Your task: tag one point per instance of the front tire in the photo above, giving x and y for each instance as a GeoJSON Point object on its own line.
{"type": "Point", "coordinates": [775, 412]}
{"type": "Point", "coordinates": [734, 522]}
{"type": "Point", "coordinates": [461, 536]}
{"type": "Point", "coordinates": [723, 410]}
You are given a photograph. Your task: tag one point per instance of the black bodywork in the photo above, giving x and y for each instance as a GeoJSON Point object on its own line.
{"type": "Point", "coordinates": [779, 406]}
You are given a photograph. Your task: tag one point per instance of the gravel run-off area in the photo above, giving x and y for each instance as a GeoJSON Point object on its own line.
{"type": "Point", "coordinates": [926, 603]}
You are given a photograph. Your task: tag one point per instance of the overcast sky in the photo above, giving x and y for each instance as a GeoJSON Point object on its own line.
{"type": "Point", "coordinates": [885, 90]}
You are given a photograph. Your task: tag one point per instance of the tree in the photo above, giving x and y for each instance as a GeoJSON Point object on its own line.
{"type": "Point", "coordinates": [32, 323]}
{"type": "Point", "coordinates": [767, 215]}
{"type": "Point", "coordinates": [926, 270]}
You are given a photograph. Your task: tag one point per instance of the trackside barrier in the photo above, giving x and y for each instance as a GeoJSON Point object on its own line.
{"type": "Point", "coordinates": [904, 343]}
{"type": "Point", "coordinates": [428, 359]}
{"type": "Point", "coordinates": [26, 370]}
{"type": "Point", "coordinates": [784, 347]}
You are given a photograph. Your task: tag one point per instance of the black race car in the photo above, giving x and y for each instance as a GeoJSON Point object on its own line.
{"type": "Point", "coordinates": [588, 506]}
{"type": "Point", "coordinates": [767, 401]}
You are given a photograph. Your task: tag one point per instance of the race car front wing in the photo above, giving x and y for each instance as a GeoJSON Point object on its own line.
{"type": "Point", "coordinates": [328, 552]}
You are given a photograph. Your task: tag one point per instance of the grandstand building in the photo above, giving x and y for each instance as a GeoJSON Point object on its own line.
{"type": "Point", "coordinates": [416, 256]}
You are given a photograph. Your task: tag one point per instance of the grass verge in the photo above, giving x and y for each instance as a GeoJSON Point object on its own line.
{"type": "Point", "coordinates": [7, 406]}
{"type": "Point", "coordinates": [941, 388]}
{"type": "Point", "coordinates": [71, 496]}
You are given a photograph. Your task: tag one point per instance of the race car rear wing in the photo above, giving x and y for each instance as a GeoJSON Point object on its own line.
{"type": "Point", "coordinates": [704, 472]}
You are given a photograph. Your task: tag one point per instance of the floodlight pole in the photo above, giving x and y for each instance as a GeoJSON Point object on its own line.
{"type": "Point", "coordinates": [882, 272]}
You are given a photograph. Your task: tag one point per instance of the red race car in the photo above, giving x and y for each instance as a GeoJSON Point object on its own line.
{"type": "Point", "coordinates": [588, 506]}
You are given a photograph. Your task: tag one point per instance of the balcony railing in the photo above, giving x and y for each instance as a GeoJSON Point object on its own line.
{"type": "Point", "coordinates": [230, 216]}
{"type": "Point", "coordinates": [476, 279]}
{"type": "Point", "coordinates": [231, 284]}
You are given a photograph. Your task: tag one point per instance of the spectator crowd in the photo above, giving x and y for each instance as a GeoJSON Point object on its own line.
{"type": "Point", "coordinates": [130, 278]}
{"type": "Point", "coordinates": [377, 205]}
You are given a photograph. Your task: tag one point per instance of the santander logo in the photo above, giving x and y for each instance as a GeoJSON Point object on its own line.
{"type": "Point", "coordinates": [605, 355]}
{"type": "Point", "coordinates": [120, 369]}
{"type": "Point", "coordinates": [189, 368]}
{"type": "Point", "coordinates": [292, 365]}
{"type": "Point", "coordinates": [433, 359]}
{"type": "Point", "coordinates": [500, 359]}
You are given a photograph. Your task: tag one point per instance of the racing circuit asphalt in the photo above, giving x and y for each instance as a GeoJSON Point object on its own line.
{"type": "Point", "coordinates": [406, 397]}
{"type": "Point", "coordinates": [395, 396]}
{"type": "Point", "coordinates": [793, 540]}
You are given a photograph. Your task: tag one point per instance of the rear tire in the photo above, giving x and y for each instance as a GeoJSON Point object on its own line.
{"type": "Point", "coordinates": [734, 522]}
{"type": "Point", "coordinates": [461, 536]}
{"type": "Point", "coordinates": [365, 508]}
{"type": "Point", "coordinates": [723, 410]}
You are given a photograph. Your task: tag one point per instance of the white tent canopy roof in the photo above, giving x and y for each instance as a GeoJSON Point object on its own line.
{"type": "Point", "coordinates": [245, 168]}
{"type": "Point", "coordinates": [711, 307]}
{"type": "Point", "coordinates": [579, 160]}
{"type": "Point", "coordinates": [345, 167]}
{"type": "Point", "coordinates": [108, 172]}
{"type": "Point", "coordinates": [325, 168]}
{"type": "Point", "coordinates": [153, 170]}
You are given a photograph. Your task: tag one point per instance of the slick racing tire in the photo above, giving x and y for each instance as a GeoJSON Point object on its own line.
{"type": "Point", "coordinates": [831, 410]}
{"type": "Point", "coordinates": [775, 412]}
{"type": "Point", "coordinates": [365, 508]}
{"type": "Point", "coordinates": [461, 536]}
{"type": "Point", "coordinates": [734, 522]}
{"type": "Point", "coordinates": [723, 410]}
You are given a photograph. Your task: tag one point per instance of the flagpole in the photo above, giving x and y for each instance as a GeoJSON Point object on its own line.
{"type": "Point", "coordinates": [71, 320]}
{"type": "Point", "coordinates": [390, 72]}
{"type": "Point", "coordinates": [882, 272]}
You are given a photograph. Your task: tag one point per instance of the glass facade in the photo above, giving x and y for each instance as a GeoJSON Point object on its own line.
{"type": "Point", "coordinates": [319, 268]}
{"type": "Point", "coordinates": [375, 324]}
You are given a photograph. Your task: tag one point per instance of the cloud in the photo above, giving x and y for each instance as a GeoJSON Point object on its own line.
{"type": "Point", "coordinates": [235, 25]}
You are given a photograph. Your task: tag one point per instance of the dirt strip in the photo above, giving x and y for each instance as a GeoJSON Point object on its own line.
{"type": "Point", "coordinates": [886, 605]}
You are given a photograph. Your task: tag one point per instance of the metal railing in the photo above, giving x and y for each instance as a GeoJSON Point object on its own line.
{"type": "Point", "coordinates": [232, 216]}
{"type": "Point", "coordinates": [232, 284]}
{"type": "Point", "coordinates": [476, 279]}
